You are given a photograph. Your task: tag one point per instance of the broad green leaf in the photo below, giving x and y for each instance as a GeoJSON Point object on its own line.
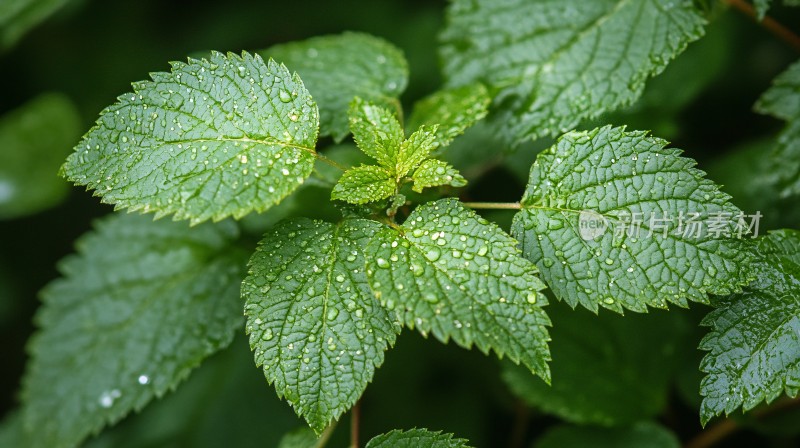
{"type": "Point", "coordinates": [782, 100]}
{"type": "Point", "coordinates": [213, 138]}
{"type": "Point", "coordinates": [454, 110]}
{"type": "Point", "coordinates": [34, 139]}
{"type": "Point", "coordinates": [754, 341]}
{"type": "Point", "coordinates": [365, 183]}
{"type": "Point", "coordinates": [416, 148]}
{"type": "Point", "coordinates": [376, 131]}
{"type": "Point", "coordinates": [449, 272]}
{"type": "Point", "coordinates": [416, 438]}
{"type": "Point", "coordinates": [139, 307]}
{"type": "Point", "coordinates": [615, 219]}
{"type": "Point", "coordinates": [313, 322]}
{"type": "Point", "coordinates": [12, 431]}
{"type": "Point", "coordinates": [641, 435]}
{"type": "Point", "coordinates": [299, 438]}
{"type": "Point", "coordinates": [554, 63]}
{"type": "Point", "coordinates": [433, 173]}
{"type": "Point", "coordinates": [632, 361]}
{"type": "Point", "coordinates": [339, 67]}
{"type": "Point", "coordinates": [17, 17]}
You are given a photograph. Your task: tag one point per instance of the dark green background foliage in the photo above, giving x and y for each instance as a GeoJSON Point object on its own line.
{"type": "Point", "coordinates": [631, 380]}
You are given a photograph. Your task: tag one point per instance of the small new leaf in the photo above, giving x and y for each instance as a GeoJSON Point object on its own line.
{"type": "Point", "coordinates": [451, 273]}
{"type": "Point", "coordinates": [552, 69]}
{"type": "Point", "coordinates": [376, 131]}
{"type": "Point", "coordinates": [212, 138]}
{"type": "Point", "coordinates": [433, 173]}
{"type": "Point", "coordinates": [416, 148]}
{"type": "Point", "coordinates": [313, 322]}
{"type": "Point", "coordinates": [453, 110]}
{"type": "Point", "coordinates": [139, 307]}
{"type": "Point", "coordinates": [615, 219]}
{"type": "Point", "coordinates": [337, 68]}
{"type": "Point", "coordinates": [365, 183]}
{"type": "Point", "coordinates": [754, 342]}
{"type": "Point", "coordinates": [416, 438]}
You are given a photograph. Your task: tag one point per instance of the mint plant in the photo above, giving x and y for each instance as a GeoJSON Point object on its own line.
{"type": "Point", "coordinates": [292, 196]}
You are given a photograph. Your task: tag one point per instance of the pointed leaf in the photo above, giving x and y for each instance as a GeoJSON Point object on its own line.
{"type": "Point", "coordinates": [34, 139]}
{"type": "Point", "coordinates": [555, 63]}
{"type": "Point", "coordinates": [415, 149]}
{"type": "Point", "coordinates": [615, 219]}
{"type": "Point", "coordinates": [754, 341]}
{"type": "Point", "coordinates": [416, 438]}
{"type": "Point", "coordinates": [454, 110]}
{"type": "Point", "coordinates": [433, 173]}
{"type": "Point", "coordinates": [376, 131]}
{"type": "Point", "coordinates": [313, 322]}
{"type": "Point", "coordinates": [339, 67]}
{"type": "Point", "coordinates": [213, 138]}
{"type": "Point", "coordinates": [139, 307]}
{"type": "Point", "coordinates": [451, 273]}
{"type": "Point", "coordinates": [362, 184]}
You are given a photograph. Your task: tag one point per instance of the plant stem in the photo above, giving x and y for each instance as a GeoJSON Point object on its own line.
{"type": "Point", "coordinates": [725, 428]}
{"type": "Point", "coordinates": [517, 439]}
{"type": "Point", "coordinates": [355, 416]}
{"type": "Point", "coordinates": [326, 434]}
{"type": "Point", "coordinates": [768, 22]}
{"type": "Point", "coordinates": [330, 162]}
{"type": "Point", "coordinates": [494, 205]}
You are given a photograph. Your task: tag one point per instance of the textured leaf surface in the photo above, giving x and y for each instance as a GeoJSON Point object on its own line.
{"type": "Point", "coordinates": [139, 307]}
{"type": "Point", "coordinates": [632, 358]}
{"type": "Point", "coordinates": [376, 131]}
{"type": "Point", "coordinates": [34, 139]}
{"type": "Point", "coordinates": [615, 219]}
{"type": "Point", "coordinates": [782, 100]}
{"type": "Point", "coordinates": [754, 342]}
{"type": "Point", "coordinates": [213, 138]}
{"type": "Point", "coordinates": [339, 67]}
{"type": "Point", "coordinates": [416, 438]}
{"type": "Point", "coordinates": [451, 273]}
{"type": "Point", "coordinates": [433, 173]}
{"type": "Point", "coordinates": [556, 62]}
{"type": "Point", "coordinates": [314, 324]}
{"type": "Point", "coordinates": [454, 110]}
{"type": "Point", "coordinates": [415, 149]}
{"type": "Point", "coordinates": [365, 183]}
{"type": "Point", "coordinates": [17, 17]}
{"type": "Point", "coordinates": [640, 435]}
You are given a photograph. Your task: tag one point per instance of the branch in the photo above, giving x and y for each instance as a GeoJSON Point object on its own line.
{"type": "Point", "coordinates": [772, 25]}
{"type": "Point", "coordinates": [355, 416]}
{"type": "Point", "coordinates": [494, 205]}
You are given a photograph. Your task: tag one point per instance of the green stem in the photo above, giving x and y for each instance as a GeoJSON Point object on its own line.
{"type": "Point", "coordinates": [494, 205]}
{"type": "Point", "coordinates": [330, 162]}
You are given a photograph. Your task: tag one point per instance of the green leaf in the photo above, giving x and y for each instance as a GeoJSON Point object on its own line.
{"type": "Point", "coordinates": [782, 100]}
{"type": "Point", "coordinates": [640, 435]}
{"type": "Point", "coordinates": [449, 272]}
{"type": "Point", "coordinates": [299, 438]}
{"type": "Point", "coordinates": [376, 131]}
{"type": "Point", "coordinates": [615, 219]}
{"type": "Point", "coordinates": [17, 17]}
{"type": "Point", "coordinates": [34, 139]}
{"type": "Point", "coordinates": [313, 322]}
{"type": "Point", "coordinates": [416, 148]}
{"type": "Point", "coordinates": [433, 173]}
{"type": "Point", "coordinates": [339, 67]}
{"type": "Point", "coordinates": [213, 138]}
{"type": "Point", "coordinates": [554, 64]}
{"type": "Point", "coordinates": [762, 6]}
{"type": "Point", "coordinates": [416, 438]}
{"type": "Point", "coordinates": [12, 430]}
{"type": "Point", "coordinates": [632, 361]}
{"type": "Point", "coordinates": [754, 341]}
{"type": "Point", "coordinates": [140, 306]}
{"type": "Point", "coordinates": [454, 110]}
{"type": "Point", "coordinates": [365, 183]}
